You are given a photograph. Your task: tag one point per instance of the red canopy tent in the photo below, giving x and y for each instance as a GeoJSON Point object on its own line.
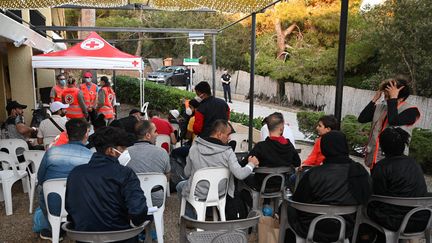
{"type": "Point", "coordinates": [92, 53]}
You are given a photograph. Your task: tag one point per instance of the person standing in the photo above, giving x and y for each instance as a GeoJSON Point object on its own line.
{"type": "Point", "coordinates": [75, 99]}
{"type": "Point", "coordinates": [89, 90]}
{"type": "Point", "coordinates": [210, 110]}
{"type": "Point", "coordinates": [57, 90]}
{"type": "Point", "coordinates": [106, 99]}
{"type": "Point", "coordinates": [226, 80]}
{"type": "Point", "coordinates": [393, 111]}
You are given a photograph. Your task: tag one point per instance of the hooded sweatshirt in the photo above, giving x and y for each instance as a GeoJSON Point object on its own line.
{"type": "Point", "coordinates": [210, 152]}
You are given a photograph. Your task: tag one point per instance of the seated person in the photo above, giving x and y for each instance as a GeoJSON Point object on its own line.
{"type": "Point", "coordinates": [275, 151]}
{"type": "Point", "coordinates": [163, 127]}
{"type": "Point", "coordinates": [104, 195]}
{"type": "Point", "coordinates": [287, 131]}
{"type": "Point", "coordinates": [146, 157]}
{"type": "Point", "coordinates": [338, 181]}
{"type": "Point", "coordinates": [213, 151]}
{"type": "Point", "coordinates": [51, 127]}
{"type": "Point", "coordinates": [397, 175]}
{"type": "Point", "coordinates": [15, 122]}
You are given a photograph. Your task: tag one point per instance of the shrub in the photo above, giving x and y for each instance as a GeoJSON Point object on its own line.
{"type": "Point", "coordinates": [162, 98]}
{"type": "Point", "coordinates": [421, 149]}
{"type": "Point", "coordinates": [357, 133]}
{"type": "Point", "coordinates": [244, 119]}
{"type": "Point", "coordinates": [307, 121]}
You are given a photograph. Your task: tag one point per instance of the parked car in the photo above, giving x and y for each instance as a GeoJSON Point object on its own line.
{"type": "Point", "coordinates": [169, 75]}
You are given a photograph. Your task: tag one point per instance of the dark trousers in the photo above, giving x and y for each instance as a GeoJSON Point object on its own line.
{"type": "Point", "coordinates": [227, 91]}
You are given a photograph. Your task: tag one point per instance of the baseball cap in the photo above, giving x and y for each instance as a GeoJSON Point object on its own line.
{"type": "Point", "coordinates": [14, 104]}
{"type": "Point", "coordinates": [87, 75]}
{"type": "Point", "coordinates": [174, 113]}
{"type": "Point", "coordinates": [56, 105]}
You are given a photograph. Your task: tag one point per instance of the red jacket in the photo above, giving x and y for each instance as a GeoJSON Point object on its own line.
{"type": "Point", "coordinates": [315, 158]}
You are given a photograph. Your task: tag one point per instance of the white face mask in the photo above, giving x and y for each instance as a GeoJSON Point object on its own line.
{"type": "Point", "coordinates": [188, 111]}
{"type": "Point", "coordinates": [88, 80]}
{"type": "Point", "coordinates": [197, 98]}
{"type": "Point", "coordinates": [124, 157]}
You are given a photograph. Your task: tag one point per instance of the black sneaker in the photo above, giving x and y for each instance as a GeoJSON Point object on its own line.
{"type": "Point", "coordinates": [46, 234]}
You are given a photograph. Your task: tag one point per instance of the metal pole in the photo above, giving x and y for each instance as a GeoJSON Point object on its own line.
{"type": "Point", "coordinates": [341, 59]}
{"type": "Point", "coordinates": [252, 80]}
{"type": "Point", "coordinates": [214, 64]}
{"type": "Point", "coordinates": [191, 69]}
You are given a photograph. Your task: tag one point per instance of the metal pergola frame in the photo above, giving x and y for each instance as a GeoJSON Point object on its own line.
{"type": "Point", "coordinates": [213, 33]}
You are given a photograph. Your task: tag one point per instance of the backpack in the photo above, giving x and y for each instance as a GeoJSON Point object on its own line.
{"type": "Point", "coordinates": [236, 208]}
{"type": "Point", "coordinates": [177, 170]}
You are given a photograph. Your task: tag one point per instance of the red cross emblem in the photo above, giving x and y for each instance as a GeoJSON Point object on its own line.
{"type": "Point", "coordinates": [110, 97]}
{"type": "Point", "coordinates": [92, 44]}
{"type": "Point", "coordinates": [135, 63]}
{"type": "Point", "coordinates": [69, 99]}
{"type": "Point", "coordinates": [91, 92]}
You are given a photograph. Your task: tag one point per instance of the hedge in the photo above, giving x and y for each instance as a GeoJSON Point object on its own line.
{"type": "Point", "coordinates": [357, 135]}
{"type": "Point", "coordinates": [162, 98]}
{"type": "Point", "coordinates": [244, 119]}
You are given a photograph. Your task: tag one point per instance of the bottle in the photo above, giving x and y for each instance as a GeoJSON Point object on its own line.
{"type": "Point", "coordinates": [288, 193]}
{"type": "Point", "coordinates": [267, 210]}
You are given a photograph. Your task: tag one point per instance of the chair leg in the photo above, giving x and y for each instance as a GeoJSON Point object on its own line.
{"type": "Point", "coordinates": [428, 235]}
{"type": "Point", "coordinates": [55, 229]}
{"type": "Point", "coordinates": [255, 200]}
{"type": "Point", "coordinates": [7, 192]}
{"type": "Point", "coordinates": [32, 192]}
{"type": "Point", "coordinates": [215, 215]}
{"type": "Point", "coordinates": [201, 212]}
{"type": "Point", "coordinates": [391, 237]}
{"type": "Point", "coordinates": [182, 207]}
{"type": "Point", "coordinates": [158, 221]}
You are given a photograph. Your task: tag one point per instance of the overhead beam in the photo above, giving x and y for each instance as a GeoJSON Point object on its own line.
{"type": "Point", "coordinates": [132, 6]}
{"type": "Point", "coordinates": [127, 29]}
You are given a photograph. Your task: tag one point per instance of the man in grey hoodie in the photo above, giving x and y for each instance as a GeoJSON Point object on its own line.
{"type": "Point", "coordinates": [213, 151]}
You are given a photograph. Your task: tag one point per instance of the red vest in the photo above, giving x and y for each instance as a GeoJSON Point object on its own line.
{"type": "Point", "coordinates": [89, 95]}
{"type": "Point", "coordinates": [58, 93]}
{"type": "Point", "coordinates": [107, 108]}
{"type": "Point", "coordinates": [70, 96]}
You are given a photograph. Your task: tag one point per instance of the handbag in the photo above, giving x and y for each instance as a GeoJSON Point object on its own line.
{"type": "Point", "coordinates": [268, 230]}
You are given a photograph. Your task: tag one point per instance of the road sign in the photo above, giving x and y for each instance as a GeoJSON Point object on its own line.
{"type": "Point", "coordinates": [190, 61]}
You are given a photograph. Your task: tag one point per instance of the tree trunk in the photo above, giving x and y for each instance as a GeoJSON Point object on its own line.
{"type": "Point", "coordinates": [88, 19]}
{"type": "Point", "coordinates": [281, 36]}
{"type": "Point", "coordinates": [139, 44]}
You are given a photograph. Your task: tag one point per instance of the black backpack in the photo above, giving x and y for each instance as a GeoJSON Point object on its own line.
{"type": "Point", "coordinates": [237, 208]}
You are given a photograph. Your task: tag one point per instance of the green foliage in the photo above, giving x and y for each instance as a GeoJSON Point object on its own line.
{"type": "Point", "coordinates": [307, 122]}
{"type": "Point", "coordinates": [356, 133]}
{"type": "Point", "coordinates": [244, 119]}
{"type": "Point", "coordinates": [421, 149]}
{"type": "Point", "coordinates": [402, 33]}
{"type": "Point", "coordinates": [162, 98]}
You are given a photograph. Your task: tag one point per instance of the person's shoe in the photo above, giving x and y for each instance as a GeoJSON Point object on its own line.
{"type": "Point", "coordinates": [46, 234]}
{"type": "Point", "coordinates": [230, 101]}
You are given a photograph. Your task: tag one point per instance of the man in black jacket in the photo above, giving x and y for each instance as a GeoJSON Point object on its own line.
{"type": "Point", "coordinates": [338, 181]}
{"type": "Point", "coordinates": [275, 151]}
{"type": "Point", "coordinates": [103, 195]}
{"type": "Point", "coordinates": [210, 110]}
{"type": "Point", "coordinates": [397, 176]}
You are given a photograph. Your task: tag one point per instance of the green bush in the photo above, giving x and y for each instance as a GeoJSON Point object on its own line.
{"type": "Point", "coordinates": [307, 121]}
{"type": "Point", "coordinates": [421, 149]}
{"type": "Point", "coordinates": [357, 133]}
{"type": "Point", "coordinates": [162, 98]}
{"type": "Point", "coordinates": [244, 119]}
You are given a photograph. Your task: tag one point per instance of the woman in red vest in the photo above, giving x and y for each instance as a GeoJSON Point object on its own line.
{"type": "Point", "coordinates": [74, 97]}
{"type": "Point", "coordinates": [89, 91]}
{"type": "Point", "coordinates": [106, 99]}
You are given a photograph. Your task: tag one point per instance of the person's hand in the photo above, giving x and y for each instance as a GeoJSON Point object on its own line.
{"type": "Point", "coordinates": [393, 90]}
{"type": "Point", "coordinates": [253, 160]}
{"type": "Point", "coordinates": [377, 96]}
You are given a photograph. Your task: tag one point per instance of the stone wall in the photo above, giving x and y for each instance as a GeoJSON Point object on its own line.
{"type": "Point", "coordinates": [322, 96]}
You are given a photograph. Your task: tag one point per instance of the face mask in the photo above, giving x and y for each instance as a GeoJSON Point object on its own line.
{"type": "Point", "coordinates": [62, 82]}
{"type": "Point", "coordinates": [124, 157]}
{"type": "Point", "coordinates": [197, 98]}
{"type": "Point", "coordinates": [188, 111]}
{"type": "Point", "coordinates": [88, 80]}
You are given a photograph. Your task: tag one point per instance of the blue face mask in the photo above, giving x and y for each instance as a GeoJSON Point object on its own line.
{"type": "Point", "coordinates": [62, 82]}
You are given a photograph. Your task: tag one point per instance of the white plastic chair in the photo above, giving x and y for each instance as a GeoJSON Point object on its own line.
{"type": "Point", "coordinates": [144, 110]}
{"type": "Point", "coordinates": [56, 186]}
{"type": "Point", "coordinates": [241, 141]}
{"type": "Point", "coordinates": [323, 212]}
{"type": "Point", "coordinates": [149, 181]}
{"type": "Point", "coordinates": [213, 175]}
{"type": "Point", "coordinates": [162, 139]}
{"type": "Point", "coordinates": [34, 158]}
{"type": "Point", "coordinates": [15, 147]}
{"type": "Point", "coordinates": [8, 177]}
{"type": "Point", "coordinates": [417, 203]}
